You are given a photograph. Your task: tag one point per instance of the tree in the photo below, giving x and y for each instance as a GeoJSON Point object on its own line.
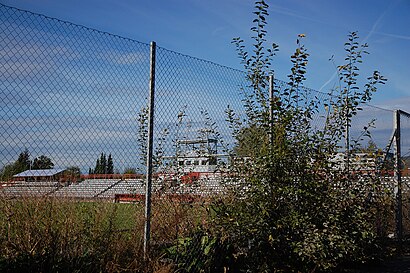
{"type": "Point", "coordinates": [102, 165]}
{"type": "Point", "coordinates": [130, 170]}
{"type": "Point", "coordinates": [7, 172]}
{"type": "Point", "coordinates": [42, 162]}
{"type": "Point", "coordinates": [73, 173]}
{"type": "Point", "coordinates": [110, 165]}
{"type": "Point", "coordinates": [97, 169]}
{"type": "Point", "coordinates": [251, 141]}
{"type": "Point", "coordinates": [291, 209]}
{"type": "Point", "coordinates": [23, 162]}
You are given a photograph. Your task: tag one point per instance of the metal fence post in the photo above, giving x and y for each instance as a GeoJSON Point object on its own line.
{"type": "Point", "coordinates": [397, 170]}
{"type": "Point", "coordinates": [271, 108]}
{"type": "Point", "coordinates": [271, 99]}
{"type": "Point", "coordinates": [271, 133]}
{"type": "Point", "coordinates": [150, 145]}
{"type": "Point", "coordinates": [347, 135]}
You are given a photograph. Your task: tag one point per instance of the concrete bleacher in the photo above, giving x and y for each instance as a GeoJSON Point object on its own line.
{"type": "Point", "coordinates": [127, 186]}
{"type": "Point", "coordinates": [23, 189]}
{"type": "Point", "coordinates": [205, 186]}
{"type": "Point", "coordinates": [109, 188]}
{"type": "Point", "coordinates": [89, 188]}
{"type": "Point", "coordinates": [211, 185]}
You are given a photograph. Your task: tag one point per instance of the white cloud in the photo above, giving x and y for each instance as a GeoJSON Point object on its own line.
{"type": "Point", "coordinates": [124, 58]}
{"type": "Point", "coordinates": [401, 103]}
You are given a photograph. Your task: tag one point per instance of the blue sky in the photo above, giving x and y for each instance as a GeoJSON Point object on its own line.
{"type": "Point", "coordinates": [72, 93]}
{"type": "Point", "coordinates": [204, 29]}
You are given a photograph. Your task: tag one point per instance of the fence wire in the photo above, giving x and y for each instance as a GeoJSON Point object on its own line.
{"type": "Point", "coordinates": [75, 99]}
{"type": "Point", "coordinates": [69, 92]}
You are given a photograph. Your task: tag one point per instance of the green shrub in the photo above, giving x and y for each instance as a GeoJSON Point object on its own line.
{"type": "Point", "coordinates": [294, 207]}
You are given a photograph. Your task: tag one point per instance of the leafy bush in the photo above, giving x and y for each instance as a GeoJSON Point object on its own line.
{"type": "Point", "coordinates": [195, 253]}
{"type": "Point", "coordinates": [296, 208]}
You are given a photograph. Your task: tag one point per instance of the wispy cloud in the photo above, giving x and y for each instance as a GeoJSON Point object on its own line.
{"type": "Point", "coordinates": [289, 12]}
{"type": "Point", "coordinates": [376, 24]}
{"type": "Point", "coordinates": [331, 79]}
{"type": "Point", "coordinates": [372, 31]}
{"type": "Point", "coordinates": [402, 37]}
{"type": "Point", "coordinates": [124, 58]}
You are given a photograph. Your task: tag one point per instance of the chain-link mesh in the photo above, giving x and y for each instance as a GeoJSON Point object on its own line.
{"type": "Point", "coordinates": [75, 99]}
{"type": "Point", "coordinates": [69, 93]}
{"type": "Point", "coordinates": [70, 98]}
{"type": "Point", "coordinates": [191, 135]}
{"type": "Point", "coordinates": [380, 124]}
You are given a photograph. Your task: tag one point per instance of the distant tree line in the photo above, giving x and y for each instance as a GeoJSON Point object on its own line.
{"type": "Point", "coordinates": [24, 163]}
{"type": "Point", "coordinates": [103, 165]}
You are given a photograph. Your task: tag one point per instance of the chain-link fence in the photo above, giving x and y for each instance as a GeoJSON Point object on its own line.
{"type": "Point", "coordinates": [69, 92]}
{"type": "Point", "coordinates": [74, 124]}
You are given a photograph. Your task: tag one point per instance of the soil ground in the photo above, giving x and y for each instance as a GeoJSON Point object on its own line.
{"type": "Point", "coordinates": [394, 265]}
{"type": "Point", "coordinates": [398, 263]}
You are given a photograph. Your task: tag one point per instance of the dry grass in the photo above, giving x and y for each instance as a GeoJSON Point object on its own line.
{"type": "Point", "coordinates": [50, 235]}
{"type": "Point", "coordinates": [61, 235]}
